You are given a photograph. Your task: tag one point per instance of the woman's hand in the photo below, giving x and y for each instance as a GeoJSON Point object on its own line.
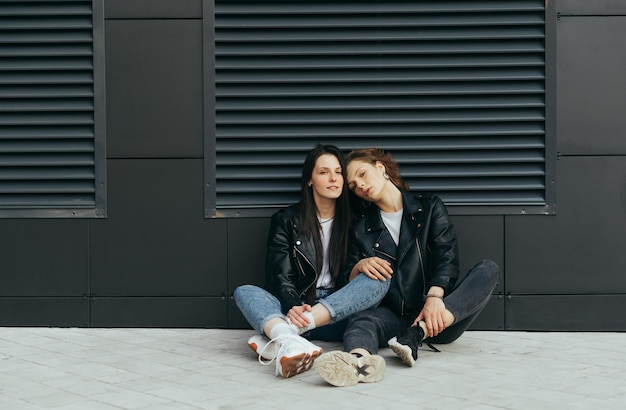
{"type": "Point", "coordinates": [296, 315]}
{"type": "Point", "coordinates": [433, 313]}
{"type": "Point", "coordinates": [374, 268]}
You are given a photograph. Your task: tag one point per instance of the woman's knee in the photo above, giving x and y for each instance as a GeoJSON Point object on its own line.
{"type": "Point", "coordinates": [241, 291]}
{"type": "Point", "coordinates": [489, 269]}
{"type": "Point", "coordinates": [359, 318]}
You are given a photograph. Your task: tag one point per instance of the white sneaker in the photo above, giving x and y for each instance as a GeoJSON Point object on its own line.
{"type": "Point", "coordinates": [345, 369]}
{"type": "Point", "coordinates": [258, 344]}
{"type": "Point", "coordinates": [294, 354]}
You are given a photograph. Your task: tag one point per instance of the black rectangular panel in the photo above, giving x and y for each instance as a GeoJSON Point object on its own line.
{"type": "Point", "coordinates": [156, 241]}
{"type": "Point", "coordinates": [159, 312]}
{"type": "Point", "coordinates": [492, 316]}
{"type": "Point", "coordinates": [591, 93]}
{"type": "Point", "coordinates": [480, 237]}
{"type": "Point", "coordinates": [581, 249]}
{"type": "Point", "coordinates": [567, 313]}
{"type": "Point", "coordinates": [127, 9]}
{"type": "Point", "coordinates": [44, 311]}
{"type": "Point", "coordinates": [595, 7]}
{"type": "Point", "coordinates": [154, 88]}
{"type": "Point", "coordinates": [236, 320]}
{"type": "Point", "coordinates": [44, 257]}
{"type": "Point", "coordinates": [247, 245]}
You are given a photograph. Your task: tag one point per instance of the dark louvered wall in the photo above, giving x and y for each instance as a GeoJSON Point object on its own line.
{"type": "Point", "coordinates": [156, 260]}
{"type": "Point", "coordinates": [48, 136]}
{"type": "Point", "coordinates": [455, 89]}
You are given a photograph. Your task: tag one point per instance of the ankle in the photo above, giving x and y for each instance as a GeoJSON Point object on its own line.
{"type": "Point", "coordinates": [282, 328]}
{"type": "Point", "coordinates": [360, 352]}
{"type": "Point", "coordinates": [422, 325]}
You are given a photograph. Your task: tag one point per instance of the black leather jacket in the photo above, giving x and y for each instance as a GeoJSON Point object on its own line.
{"type": "Point", "coordinates": [290, 267]}
{"type": "Point", "coordinates": [426, 255]}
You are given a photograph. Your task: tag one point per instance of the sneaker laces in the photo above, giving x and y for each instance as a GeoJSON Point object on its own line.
{"type": "Point", "coordinates": [433, 348]}
{"type": "Point", "coordinates": [266, 362]}
{"type": "Point", "coordinates": [281, 347]}
{"type": "Point", "coordinates": [423, 339]}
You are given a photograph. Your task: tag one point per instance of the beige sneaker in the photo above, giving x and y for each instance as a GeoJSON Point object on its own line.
{"type": "Point", "coordinates": [344, 369]}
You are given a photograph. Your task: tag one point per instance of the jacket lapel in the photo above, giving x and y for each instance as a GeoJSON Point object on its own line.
{"type": "Point", "coordinates": [374, 226]}
{"type": "Point", "coordinates": [408, 230]}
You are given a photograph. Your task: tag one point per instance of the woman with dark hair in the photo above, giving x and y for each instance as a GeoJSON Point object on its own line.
{"type": "Point", "coordinates": [425, 302]}
{"type": "Point", "coordinates": [306, 295]}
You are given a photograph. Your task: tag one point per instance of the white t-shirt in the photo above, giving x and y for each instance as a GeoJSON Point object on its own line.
{"type": "Point", "coordinates": [325, 280]}
{"type": "Point", "coordinates": [393, 221]}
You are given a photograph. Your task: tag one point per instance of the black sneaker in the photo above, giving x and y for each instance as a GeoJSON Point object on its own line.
{"type": "Point", "coordinates": [406, 343]}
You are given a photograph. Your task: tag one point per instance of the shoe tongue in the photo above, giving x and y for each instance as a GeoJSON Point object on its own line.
{"type": "Point", "coordinates": [417, 330]}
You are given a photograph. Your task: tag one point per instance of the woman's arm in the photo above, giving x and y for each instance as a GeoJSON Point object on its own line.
{"type": "Point", "coordinates": [374, 268]}
{"type": "Point", "coordinates": [280, 275]}
{"type": "Point", "coordinates": [443, 260]}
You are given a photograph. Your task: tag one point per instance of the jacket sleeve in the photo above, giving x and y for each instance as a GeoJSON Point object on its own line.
{"type": "Point", "coordinates": [280, 274]}
{"type": "Point", "coordinates": [442, 246]}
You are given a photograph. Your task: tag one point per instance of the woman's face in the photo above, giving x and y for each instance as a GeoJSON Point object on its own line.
{"type": "Point", "coordinates": [327, 178]}
{"type": "Point", "coordinates": [366, 180]}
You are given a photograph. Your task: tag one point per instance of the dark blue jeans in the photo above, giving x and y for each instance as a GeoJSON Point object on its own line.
{"type": "Point", "coordinates": [371, 329]}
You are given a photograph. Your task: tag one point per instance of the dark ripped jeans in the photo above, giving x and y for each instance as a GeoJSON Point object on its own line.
{"type": "Point", "coordinates": [371, 329]}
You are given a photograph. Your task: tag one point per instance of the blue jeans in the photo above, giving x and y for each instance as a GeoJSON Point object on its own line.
{"type": "Point", "coordinates": [259, 306]}
{"type": "Point", "coordinates": [372, 329]}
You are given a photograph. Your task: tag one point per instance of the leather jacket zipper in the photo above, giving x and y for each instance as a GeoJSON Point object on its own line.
{"type": "Point", "coordinates": [296, 250]}
{"type": "Point", "coordinates": [386, 254]}
{"type": "Point", "coordinates": [419, 254]}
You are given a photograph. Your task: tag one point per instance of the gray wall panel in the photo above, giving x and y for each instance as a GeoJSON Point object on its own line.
{"type": "Point", "coordinates": [247, 241]}
{"type": "Point", "coordinates": [247, 244]}
{"type": "Point", "coordinates": [591, 85]}
{"type": "Point", "coordinates": [581, 249]}
{"type": "Point", "coordinates": [591, 7]}
{"type": "Point", "coordinates": [480, 237]}
{"type": "Point", "coordinates": [154, 88]}
{"type": "Point", "coordinates": [44, 311]}
{"type": "Point", "coordinates": [235, 318]}
{"type": "Point", "coordinates": [492, 317]}
{"type": "Point", "coordinates": [44, 257]}
{"type": "Point", "coordinates": [158, 312]}
{"type": "Point", "coordinates": [566, 313]}
{"type": "Point", "coordinates": [153, 9]}
{"type": "Point", "coordinates": [156, 240]}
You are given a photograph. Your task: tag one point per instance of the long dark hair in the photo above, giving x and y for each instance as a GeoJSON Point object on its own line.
{"type": "Point", "coordinates": [338, 247]}
{"type": "Point", "coordinates": [372, 155]}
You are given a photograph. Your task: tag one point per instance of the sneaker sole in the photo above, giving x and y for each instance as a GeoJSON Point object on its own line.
{"type": "Point", "coordinates": [341, 369]}
{"type": "Point", "coordinates": [402, 351]}
{"type": "Point", "coordinates": [293, 365]}
{"type": "Point", "coordinates": [267, 355]}
{"type": "Point", "coordinates": [376, 366]}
